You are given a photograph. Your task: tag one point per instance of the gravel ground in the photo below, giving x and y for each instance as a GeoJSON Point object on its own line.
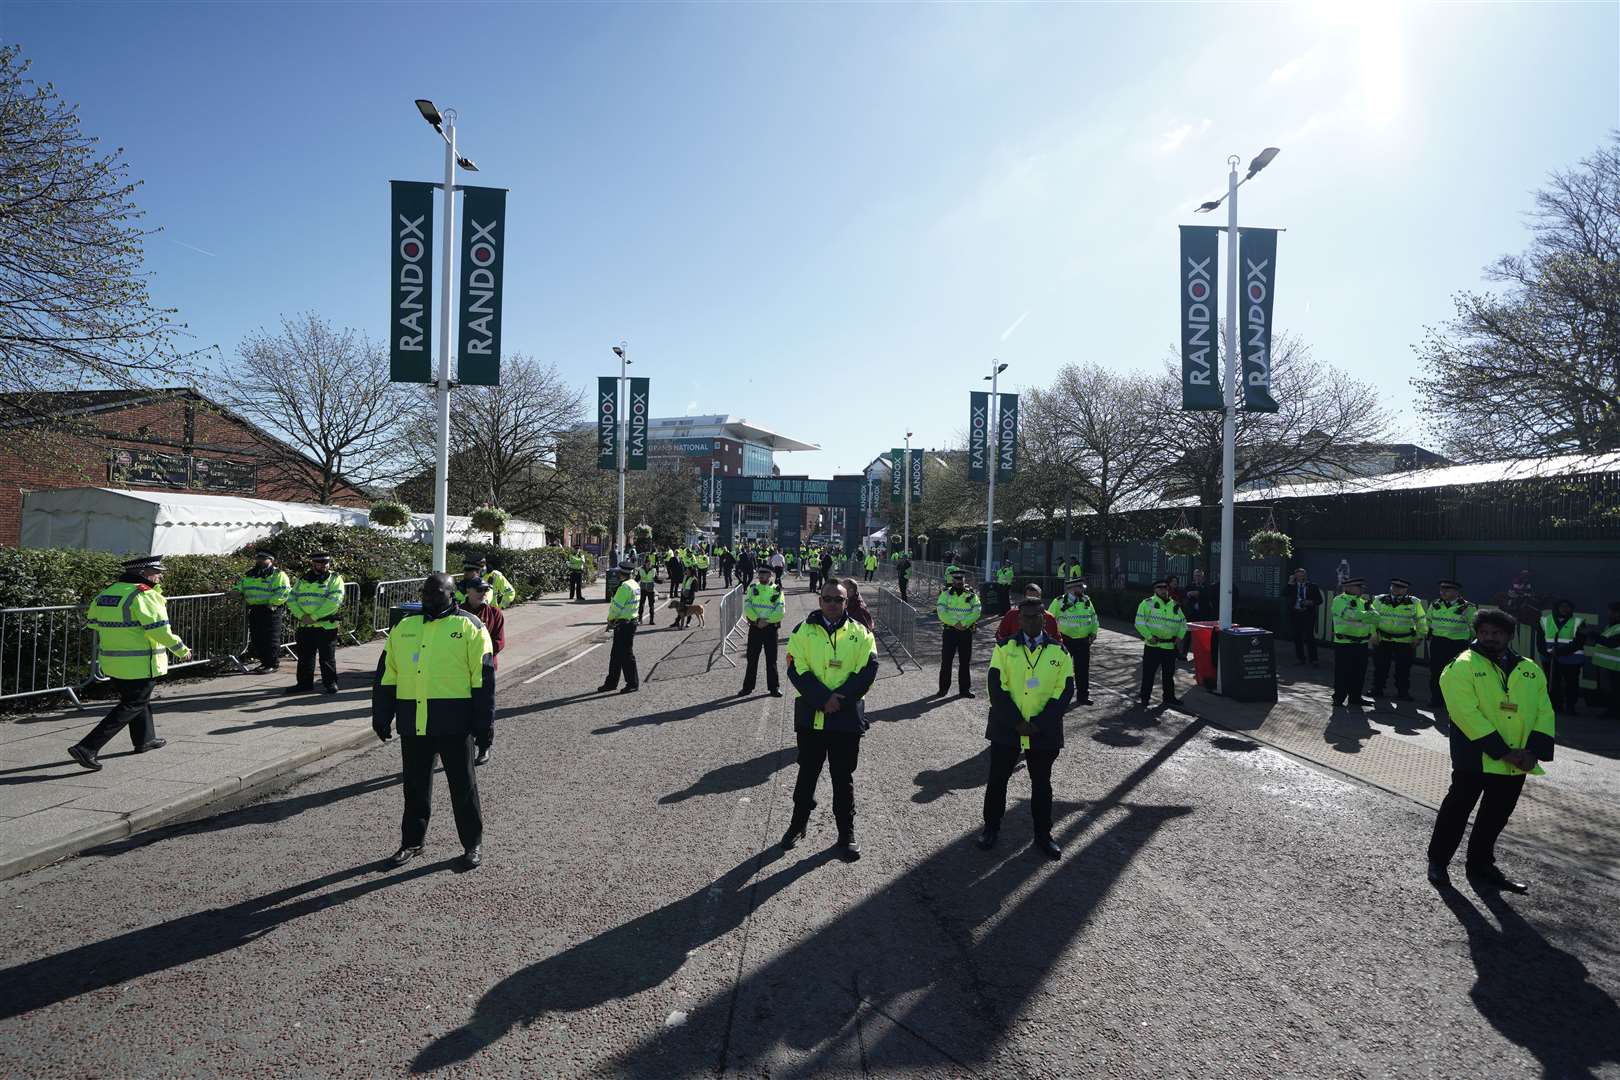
{"type": "Point", "coordinates": [1221, 910]}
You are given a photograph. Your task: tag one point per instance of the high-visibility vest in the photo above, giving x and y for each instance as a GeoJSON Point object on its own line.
{"type": "Point", "coordinates": [504, 592]}
{"type": "Point", "coordinates": [831, 658]}
{"type": "Point", "coordinates": [958, 609]}
{"type": "Point", "coordinates": [763, 602]}
{"type": "Point", "coordinates": [264, 590]}
{"type": "Point", "coordinates": [1076, 572]}
{"type": "Point", "coordinates": [1454, 621]}
{"type": "Point", "coordinates": [133, 636]}
{"type": "Point", "coordinates": [626, 599]}
{"type": "Point", "coordinates": [647, 575]}
{"type": "Point", "coordinates": [576, 561]}
{"type": "Point", "coordinates": [320, 600]}
{"type": "Point", "coordinates": [1606, 657]}
{"type": "Point", "coordinates": [1556, 634]}
{"type": "Point", "coordinates": [1353, 619]}
{"type": "Point", "coordinates": [1161, 623]}
{"type": "Point", "coordinates": [702, 561]}
{"type": "Point", "coordinates": [440, 659]}
{"type": "Point", "coordinates": [1076, 618]}
{"type": "Point", "coordinates": [1400, 618]}
{"type": "Point", "coordinates": [1475, 687]}
{"type": "Point", "coordinates": [1047, 665]}
{"type": "Point", "coordinates": [871, 562]}
{"type": "Point", "coordinates": [1004, 576]}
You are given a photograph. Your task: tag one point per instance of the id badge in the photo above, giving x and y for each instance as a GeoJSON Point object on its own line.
{"type": "Point", "coordinates": [1032, 683]}
{"type": "Point", "coordinates": [835, 663]}
{"type": "Point", "coordinates": [1508, 706]}
{"type": "Point", "coordinates": [416, 657]}
{"type": "Point", "coordinates": [820, 721]}
{"type": "Point", "coordinates": [1023, 742]}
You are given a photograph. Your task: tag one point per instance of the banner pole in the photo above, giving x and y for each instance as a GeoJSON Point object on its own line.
{"type": "Point", "coordinates": [441, 388]}
{"type": "Point", "coordinates": [905, 496]}
{"type": "Point", "coordinates": [991, 448]}
{"type": "Point", "coordinates": [1229, 426]}
{"type": "Point", "coordinates": [622, 419]}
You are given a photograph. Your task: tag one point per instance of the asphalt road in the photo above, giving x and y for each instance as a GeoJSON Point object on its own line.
{"type": "Point", "coordinates": [1220, 910]}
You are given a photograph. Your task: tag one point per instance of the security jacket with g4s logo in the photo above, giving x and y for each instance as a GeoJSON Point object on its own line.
{"type": "Point", "coordinates": [1031, 681]}
{"type": "Point", "coordinates": [1496, 707]}
{"type": "Point", "coordinates": [824, 659]}
{"type": "Point", "coordinates": [436, 677]}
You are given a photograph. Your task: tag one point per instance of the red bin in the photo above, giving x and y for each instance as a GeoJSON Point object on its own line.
{"type": "Point", "coordinates": [1203, 651]}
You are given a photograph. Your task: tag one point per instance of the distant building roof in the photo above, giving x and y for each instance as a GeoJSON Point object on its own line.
{"type": "Point", "coordinates": [1485, 472]}
{"type": "Point", "coordinates": [721, 425]}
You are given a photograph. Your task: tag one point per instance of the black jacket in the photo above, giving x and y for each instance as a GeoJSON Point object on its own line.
{"type": "Point", "coordinates": [1004, 714]}
{"type": "Point", "coordinates": [813, 693]}
{"type": "Point", "coordinates": [1290, 592]}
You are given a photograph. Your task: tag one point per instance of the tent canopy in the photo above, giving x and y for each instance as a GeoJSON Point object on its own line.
{"type": "Point", "coordinates": [183, 523]}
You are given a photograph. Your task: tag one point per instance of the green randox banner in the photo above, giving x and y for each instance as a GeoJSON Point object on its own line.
{"type": "Point", "coordinates": [1200, 276]}
{"type": "Point", "coordinates": [636, 444]}
{"type": "Point", "coordinates": [410, 282]}
{"type": "Point", "coordinates": [483, 254]}
{"type": "Point", "coordinates": [897, 474]}
{"type": "Point", "coordinates": [607, 422]}
{"type": "Point", "coordinates": [978, 434]}
{"type": "Point", "coordinates": [1259, 255]}
{"type": "Point", "coordinates": [916, 475]}
{"type": "Point", "coordinates": [1006, 436]}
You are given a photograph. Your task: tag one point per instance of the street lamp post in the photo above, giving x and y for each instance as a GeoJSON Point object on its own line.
{"type": "Point", "coordinates": [905, 497]}
{"type": "Point", "coordinates": [993, 441]}
{"type": "Point", "coordinates": [622, 419]}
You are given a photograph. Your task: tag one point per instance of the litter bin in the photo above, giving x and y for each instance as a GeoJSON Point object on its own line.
{"type": "Point", "coordinates": [1246, 664]}
{"type": "Point", "coordinates": [399, 611]}
{"type": "Point", "coordinates": [611, 578]}
{"type": "Point", "coordinates": [1203, 650]}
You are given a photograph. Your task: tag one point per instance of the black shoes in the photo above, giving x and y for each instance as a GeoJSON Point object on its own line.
{"type": "Point", "coordinates": [1363, 702]}
{"type": "Point", "coordinates": [329, 688]}
{"type": "Point", "coordinates": [1047, 846]}
{"type": "Point", "coordinates": [483, 757]}
{"type": "Point", "coordinates": [776, 693]}
{"type": "Point", "coordinates": [1492, 876]}
{"type": "Point", "coordinates": [1338, 703]}
{"type": "Point", "coordinates": [473, 857]}
{"type": "Point", "coordinates": [1086, 700]}
{"type": "Point", "coordinates": [630, 689]}
{"type": "Point", "coordinates": [794, 834]}
{"type": "Point", "coordinates": [404, 855]}
{"type": "Point", "coordinates": [848, 849]}
{"type": "Point", "coordinates": [607, 688]}
{"type": "Point", "coordinates": [1172, 700]}
{"type": "Point", "coordinates": [1437, 875]}
{"type": "Point", "coordinates": [155, 744]}
{"type": "Point", "coordinates": [84, 757]}
{"type": "Point", "coordinates": [745, 691]}
{"type": "Point", "coordinates": [987, 838]}
{"type": "Point", "coordinates": [967, 693]}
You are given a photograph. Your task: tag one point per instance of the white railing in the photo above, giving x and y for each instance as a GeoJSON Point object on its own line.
{"type": "Point", "coordinates": [44, 650]}
{"type": "Point", "coordinates": [731, 613]}
{"type": "Point", "coordinates": [898, 618]}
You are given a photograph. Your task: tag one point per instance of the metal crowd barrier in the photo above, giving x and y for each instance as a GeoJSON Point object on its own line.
{"type": "Point", "coordinates": [731, 613]}
{"type": "Point", "coordinates": [211, 625]}
{"type": "Point", "coordinates": [44, 650]}
{"type": "Point", "coordinates": [390, 593]}
{"type": "Point", "coordinates": [898, 618]}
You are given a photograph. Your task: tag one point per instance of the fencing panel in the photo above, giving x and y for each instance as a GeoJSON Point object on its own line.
{"type": "Point", "coordinates": [389, 593]}
{"type": "Point", "coordinates": [211, 624]}
{"type": "Point", "coordinates": [898, 618]}
{"type": "Point", "coordinates": [731, 613]}
{"type": "Point", "coordinates": [44, 650]}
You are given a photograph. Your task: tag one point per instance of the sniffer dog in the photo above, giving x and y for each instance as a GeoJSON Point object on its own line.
{"type": "Point", "coordinates": [685, 615]}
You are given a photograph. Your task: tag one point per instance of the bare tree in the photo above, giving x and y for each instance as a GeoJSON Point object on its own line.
{"type": "Point", "coordinates": [326, 391]}
{"type": "Point", "coordinates": [1536, 370]}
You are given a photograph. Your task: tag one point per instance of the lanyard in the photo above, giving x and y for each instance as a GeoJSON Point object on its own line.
{"type": "Point", "coordinates": [1033, 663]}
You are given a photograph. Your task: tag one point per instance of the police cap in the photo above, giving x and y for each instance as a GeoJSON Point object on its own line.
{"type": "Point", "coordinates": [1161, 581]}
{"type": "Point", "coordinates": [144, 562]}
{"type": "Point", "coordinates": [263, 554]}
{"type": "Point", "coordinates": [471, 564]}
{"type": "Point", "coordinates": [1447, 583]}
{"type": "Point", "coordinates": [320, 556]}
{"type": "Point", "coordinates": [473, 583]}
{"type": "Point", "coordinates": [1402, 582]}
{"type": "Point", "coordinates": [1356, 581]}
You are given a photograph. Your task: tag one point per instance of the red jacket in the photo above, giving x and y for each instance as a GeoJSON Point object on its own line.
{"type": "Point", "coordinates": [495, 623]}
{"type": "Point", "coordinates": [1008, 627]}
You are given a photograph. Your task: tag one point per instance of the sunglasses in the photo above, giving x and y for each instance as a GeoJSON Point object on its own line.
{"type": "Point", "coordinates": [833, 599]}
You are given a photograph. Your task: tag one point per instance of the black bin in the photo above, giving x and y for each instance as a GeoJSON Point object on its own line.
{"type": "Point", "coordinates": [612, 578]}
{"type": "Point", "coordinates": [399, 611]}
{"type": "Point", "coordinates": [1246, 663]}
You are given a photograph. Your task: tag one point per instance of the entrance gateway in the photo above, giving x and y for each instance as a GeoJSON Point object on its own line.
{"type": "Point", "coordinates": [786, 498]}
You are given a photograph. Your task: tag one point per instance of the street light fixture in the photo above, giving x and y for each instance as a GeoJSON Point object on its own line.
{"type": "Point", "coordinates": [429, 112]}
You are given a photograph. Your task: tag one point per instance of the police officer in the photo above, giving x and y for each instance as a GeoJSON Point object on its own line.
{"type": "Point", "coordinates": [1451, 622]}
{"type": "Point", "coordinates": [958, 609]}
{"type": "Point", "coordinates": [1604, 652]}
{"type": "Point", "coordinates": [1401, 622]}
{"type": "Point", "coordinates": [832, 662]}
{"type": "Point", "coordinates": [264, 590]}
{"type": "Point", "coordinates": [701, 562]}
{"type": "Point", "coordinates": [1162, 624]}
{"type": "Point", "coordinates": [1502, 724]}
{"type": "Point", "coordinates": [812, 567]}
{"type": "Point", "coordinates": [313, 604]}
{"type": "Point", "coordinates": [1004, 580]}
{"type": "Point", "coordinates": [902, 572]}
{"type": "Point", "coordinates": [728, 563]}
{"type": "Point", "coordinates": [1031, 684]}
{"type": "Point", "coordinates": [502, 593]}
{"type": "Point", "coordinates": [1077, 623]}
{"type": "Point", "coordinates": [436, 682]}
{"type": "Point", "coordinates": [647, 585]}
{"type": "Point", "coordinates": [1353, 623]}
{"type": "Point", "coordinates": [622, 620]}
{"type": "Point", "coordinates": [576, 574]}
{"type": "Point", "coordinates": [133, 646]}
{"type": "Point", "coordinates": [762, 609]}
{"type": "Point", "coordinates": [870, 564]}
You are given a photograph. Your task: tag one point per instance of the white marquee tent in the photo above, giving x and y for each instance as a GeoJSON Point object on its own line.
{"type": "Point", "coordinates": [183, 523]}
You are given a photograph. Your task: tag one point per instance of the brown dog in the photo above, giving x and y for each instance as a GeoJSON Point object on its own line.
{"type": "Point", "coordinates": [685, 615]}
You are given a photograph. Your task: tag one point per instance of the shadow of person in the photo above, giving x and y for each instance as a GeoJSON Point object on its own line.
{"type": "Point", "coordinates": [969, 773]}
{"type": "Point", "coordinates": [66, 975]}
{"type": "Point", "coordinates": [628, 959]}
{"type": "Point", "coordinates": [738, 776]}
{"type": "Point", "coordinates": [1347, 731]}
{"type": "Point", "coordinates": [669, 716]}
{"type": "Point", "coordinates": [1534, 994]}
{"type": "Point", "coordinates": [909, 710]}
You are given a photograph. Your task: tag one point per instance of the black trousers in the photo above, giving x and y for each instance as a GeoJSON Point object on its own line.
{"type": "Point", "coordinates": [1442, 651]}
{"type": "Point", "coordinates": [725, 574]}
{"type": "Point", "coordinates": [815, 579]}
{"type": "Point", "coordinates": [1304, 626]}
{"type": "Point", "coordinates": [762, 641]}
{"type": "Point", "coordinates": [1080, 651]}
{"type": "Point", "coordinates": [647, 603]}
{"type": "Point", "coordinates": [133, 711]}
{"type": "Point", "coordinates": [310, 642]}
{"type": "Point", "coordinates": [840, 751]}
{"type": "Point", "coordinates": [1563, 684]}
{"type": "Point", "coordinates": [1501, 795]}
{"type": "Point", "coordinates": [456, 751]}
{"type": "Point", "coordinates": [1162, 662]}
{"type": "Point", "coordinates": [905, 580]}
{"type": "Point", "coordinates": [264, 634]}
{"type": "Point", "coordinates": [777, 571]}
{"type": "Point", "coordinates": [1003, 596]}
{"type": "Point", "coordinates": [675, 581]}
{"type": "Point", "coordinates": [1398, 654]}
{"type": "Point", "coordinates": [956, 641]}
{"type": "Point", "coordinates": [1003, 759]}
{"type": "Point", "coordinates": [623, 656]}
{"type": "Point", "coordinates": [869, 574]}
{"type": "Point", "coordinates": [576, 584]}
{"type": "Point", "coordinates": [1609, 682]}
{"type": "Point", "coordinates": [1349, 670]}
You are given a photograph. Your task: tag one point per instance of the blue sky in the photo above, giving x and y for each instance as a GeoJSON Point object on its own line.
{"type": "Point", "coordinates": [828, 219]}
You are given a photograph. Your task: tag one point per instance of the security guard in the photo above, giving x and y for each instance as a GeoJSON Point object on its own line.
{"type": "Point", "coordinates": [647, 585]}
{"type": "Point", "coordinates": [576, 574]}
{"type": "Point", "coordinates": [1401, 622]}
{"type": "Point", "coordinates": [1451, 623]}
{"type": "Point", "coordinates": [1077, 622]}
{"type": "Point", "coordinates": [701, 561]}
{"type": "Point", "coordinates": [502, 594]}
{"type": "Point", "coordinates": [1162, 624]}
{"type": "Point", "coordinates": [622, 620]}
{"type": "Point", "coordinates": [1353, 623]}
{"type": "Point", "coordinates": [958, 609]}
{"type": "Point", "coordinates": [832, 662]}
{"type": "Point", "coordinates": [870, 564]}
{"type": "Point", "coordinates": [1031, 685]}
{"type": "Point", "coordinates": [264, 591]}
{"type": "Point", "coordinates": [1501, 726]}
{"type": "Point", "coordinates": [133, 645]}
{"type": "Point", "coordinates": [436, 682]}
{"type": "Point", "coordinates": [762, 609]}
{"type": "Point", "coordinates": [313, 605]}
{"type": "Point", "coordinates": [1561, 637]}
{"type": "Point", "coordinates": [728, 563]}
{"type": "Point", "coordinates": [1004, 580]}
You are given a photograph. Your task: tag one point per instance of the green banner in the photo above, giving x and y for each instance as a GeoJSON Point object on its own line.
{"type": "Point", "coordinates": [978, 434]}
{"type": "Point", "coordinates": [897, 474]}
{"type": "Point", "coordinates": [410, 282]}
{"type": "Point", "coordinates": [916, 475]}
{"type": "Point", "coordinates": [1200, 275]}
{"type": "Point", "coordinates": [607, 422]}
{"type": "Point", "coordinates": [1259, 252]}
{"type": "Point", "coordinates": [636, 442]}
{"type": "Point", "coordinates": [1006, 436]}
{"type": "Point", "coordinates": [483, 254]}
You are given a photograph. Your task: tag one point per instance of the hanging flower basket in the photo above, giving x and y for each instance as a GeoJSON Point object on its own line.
{"type": "Point", "coordinates": [643, 534]}
{"type": "Point", "coordinates": [1269, 544]}
{"type": "Point", "coordinates": [1182, 540]}
{"type": "Point", "coordinates": [596, 532]}
{"type": "Point", "coordinates": [490, 519]}
{"type": "Point", "coordinates": [389, 514]}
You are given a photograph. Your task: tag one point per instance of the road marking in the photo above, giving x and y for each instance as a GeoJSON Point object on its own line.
{"type": "Point", "coordinates": [565, 663]}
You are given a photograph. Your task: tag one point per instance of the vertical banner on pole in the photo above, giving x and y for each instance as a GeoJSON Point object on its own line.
{"type": "Point", "coordinates": [636, 444]}
{"type": "Point", "coordinates": [1200, 276]}
{"type": "Point", "coordinates": [410, 282]}
{"type": "Point", "coordinates": [897, 474]}
{"type": "Point", "coordinates": [607, 422]}
{"type": "Point", "coordinates": [916, 475]}
{"type": "Point", "coordinates": [1007, 436]}
{"type": "Point", "coordinates": [483, 247]}
{"type": "Point", "coordinates": [1259, 257]}
{"type": "Point", "coordinates": [978, 435]}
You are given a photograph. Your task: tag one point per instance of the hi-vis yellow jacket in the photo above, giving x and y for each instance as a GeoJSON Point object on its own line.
{"type": "Point", "coordinates": [1494, 711]}
{"type": "Point", "coordinates": [133, 638]}
{"type": "Point", "coordinates": [436, 677]}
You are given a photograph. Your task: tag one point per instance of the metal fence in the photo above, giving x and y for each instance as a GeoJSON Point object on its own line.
{"type": "Point", "coordinates": [731, 618]}
{"type": "Point", "coordinates": [44, 650]}
{"type": "Point", "coordinates": [213, 626]}
{"type": "Point", "coordinates": [390, 593]}
{"type": "Point", "coordinates": [898, 618]}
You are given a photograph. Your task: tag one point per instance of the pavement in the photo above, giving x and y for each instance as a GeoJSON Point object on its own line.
{"type": "Point", "coordinates": [1221, 909]}
{"type": "Point", "coordinates": [228, 735]}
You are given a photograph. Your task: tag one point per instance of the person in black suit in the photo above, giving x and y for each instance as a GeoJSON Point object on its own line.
{"type": "Point", "coordinates": [1303, 599]}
